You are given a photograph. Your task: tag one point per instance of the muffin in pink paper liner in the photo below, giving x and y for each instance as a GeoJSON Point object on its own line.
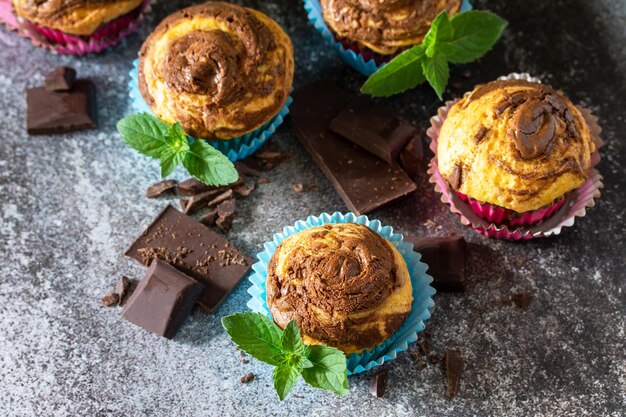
{"type": "Point", "coordinates": [92, 32]}
{"type": "Point", "coordinates": [530, 125]}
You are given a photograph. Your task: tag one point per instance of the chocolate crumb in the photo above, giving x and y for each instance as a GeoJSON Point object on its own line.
{"type": "Point", "coordinates": [297, 396]}
{"type": "Point", "coordinates": [269, 155]}
{"type": "Point", "coordinates": [247, 378]}
{"type": "Point", "coordinates": [161, 188]}
{"type": "Point", "coordinates": [522, 300]}
{"type": "Point", "coordinates": [244, 361]}
{"type": "Point", "coordinates": [434, 359]}
{"type": "Point", "coordinates": [298, 187]}
{"type": "Point", "coordinates": [109, 300]}
{"type": "Point", "coordinates": [424, 348]}
{"type": "Point", "coordinates": [378, 386]}
{"type": "Point", "coordinates": [245, 190]}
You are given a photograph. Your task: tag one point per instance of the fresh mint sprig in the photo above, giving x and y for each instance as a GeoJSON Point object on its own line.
{"type": "Point", "coordinates": [168, 143]}
{"type": "Point", "coordinates": [322, 367]}
{"type": "Point", "coordinates": [463, 38]}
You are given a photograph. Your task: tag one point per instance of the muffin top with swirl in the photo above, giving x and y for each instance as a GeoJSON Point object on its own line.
{"type": "Point", "coordinates": [385, 27]}
{"type": "Point", "coordinates": [343, 284]}
{"type": "Point", "coordinates": [219, 69]}
{"type": "Point", "coordinates": [75, 17]}
{"type": "Point", "coordinates": [516, 144]}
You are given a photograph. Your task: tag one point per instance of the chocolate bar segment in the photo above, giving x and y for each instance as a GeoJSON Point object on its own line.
{"type": "Point", "coordinates": [50, 112]}
{"type": "Point", "coordinates": [163, 300]}
{"type": "Point", "coordinates": [445, 257]}
{"type": "Point", "coordinates": [373, 128]}
{"type": "Point", "coordinates": [60, 79]}
{"type": "Point", "coordinates": [364, 181]}
{"type": "Point", "coordinates": [196, 250]}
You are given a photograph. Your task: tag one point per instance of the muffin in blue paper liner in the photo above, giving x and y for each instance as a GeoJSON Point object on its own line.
{"type": "Point", "coordinates": [366, 65]}
{"type": "Point", "coordinates": [420, 280]}
{"type": "Point", "coordinates": [234, 149]}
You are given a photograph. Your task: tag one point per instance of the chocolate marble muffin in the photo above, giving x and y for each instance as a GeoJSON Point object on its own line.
{"type": "Point", "coordinates": [516, 144]}
{"type": "Point", "coordinates": [385, 27]}
{"type": "Point", "coordinates": [343, 284]}
{"type": "Point", "coordinates": [219, 69]}
{"type": "Point", "coordinates": [74, 17]}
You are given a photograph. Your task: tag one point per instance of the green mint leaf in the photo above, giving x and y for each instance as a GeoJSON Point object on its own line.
{"type": "Point", "coordinates": [400, 74]}
{"type": "Point", "coordinates": [170, 159]}
{"type": "Point", "coordinates": [440, 31]}
{"type": "Point", "coordinates": [285, 377]}
{"type": "Point", "coordinates": [328, 371]}
{"type": "Point", "coordinates": [256, 335]}
{"type": "Point", "coordinates": [208, 164]}
{"type": "Point", "coordinates": [475, 33]}
{"type": "Point", "coordinates": [437, 73]}
{"type": "Point", "coordinates": [146, 134]}
{"type": "Point", "coordinates": [178, 138]}
{"type": "Point", "coordinates": [291, 340]}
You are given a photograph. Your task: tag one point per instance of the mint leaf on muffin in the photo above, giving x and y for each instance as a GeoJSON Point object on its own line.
{"type": "Point", "coordinates": [168, 143]}
{"type": "Point", "coordinates": [322, 367]}
{"type": "Point", "coordinates": [463, 38]}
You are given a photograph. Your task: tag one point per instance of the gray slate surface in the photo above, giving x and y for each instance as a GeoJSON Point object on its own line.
{"type": "Point", "coordinates": [72, 203]}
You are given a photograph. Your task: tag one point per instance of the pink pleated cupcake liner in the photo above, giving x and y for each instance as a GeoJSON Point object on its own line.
{"type": "Point", "coordinates": [65, 44]}
{"type": "Point", "coordinates": [489, 220]}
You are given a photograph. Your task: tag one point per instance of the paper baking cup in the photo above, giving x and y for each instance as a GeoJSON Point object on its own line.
{"type": "Point", "coordinates": [422, 291]}
{"type": "Point", "coordinates": [364, 61]}
{"type": "Point", "coordinates": [544, 222]}
{"type": "Point", "coordinates": [65, 44]}
{"type": "Point", "coordinates": [234, 149]}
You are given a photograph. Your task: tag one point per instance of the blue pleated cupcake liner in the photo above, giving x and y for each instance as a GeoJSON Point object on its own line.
{"type": "Point", "coordinates": [234, 149]}
{"type": "Point", "coordinates": [420, 280]}
{"type": "Point", "coordinates": [356, 61]}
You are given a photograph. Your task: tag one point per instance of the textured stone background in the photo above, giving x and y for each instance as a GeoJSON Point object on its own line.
{"type": "Point", "coordinates": [71, 204]}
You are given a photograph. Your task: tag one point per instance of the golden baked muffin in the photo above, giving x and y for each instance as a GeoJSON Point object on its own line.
{"type": "Point", "coordinates": [385, 27]}
{"type": "Point", "coordinates": [219, 69]}
{"type": "Point", "coordinates": [75, 17]}
{"type": "Point", "coordinates": [343, 284]}
{"type": "Point", "coordinates": [515, 144]}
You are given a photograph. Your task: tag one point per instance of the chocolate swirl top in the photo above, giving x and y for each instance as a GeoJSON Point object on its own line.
{"type": "Point", "coordinates": [78, 17]}
{"type": "Point", "coordinates": [514, 143]}
{"type": "Point", "coordinates": [220, 69]}
{"type": "Point", "coordinates": [387, 26]}
{"type": "Point", "coordinates": [332, 280]}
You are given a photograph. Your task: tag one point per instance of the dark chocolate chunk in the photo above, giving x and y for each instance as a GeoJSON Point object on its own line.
{"type": "Point", "coordinates": [480, 135]}
{"type": "Point", "coordinates": [51, 112]}
{"type": "Point", "coordinates": [245, 190]}
{"type": "Point", "coordinates": [194, 249]}
{"type": "Point", "coordinates": [124, 288]}
{"type": "Point", "coordinates": [192, 186]}
{"type": "Point", "coordinates": [364, 181]}
{"type": "Point", "coordinates": [424, 348]}
{"type": "Point", "coordinates": [219, 199]}
{"type": "Point", "coordinates": [161, 188]}
{"type": "Point", "coordinates": [411, 157]}
{"type": "Point", "coordinates": [209, 218]}
{"type": "Point", "coordinates": [373, 128]}
{"type": "Point", "coordinates": [434, 359]}
{"type": "Point", "coordinates": [110, 299]}
{"type": "Point", "coordinates": [249, 377]}
{"type": "Point", "coordinates": [445, 257]}
{"type": "Point", "coordinates": [199, 201]}
{"type": "Point", "coordinates": [163, 299]}
{"type": "Point", "coordinates": [456, 177]}
{"type": "Point", "coordinates": [378, 386]}
{"type": "Point", "coordinates": [454, 366]}
{"type": "Point", "coordinates": [246, 170]}
{"type": "Point", "coordinates": [522, 299]}
{"type": "Point", "coordinates": [225, 214]}
{"type": "Point", "coordinates": [60, 79]}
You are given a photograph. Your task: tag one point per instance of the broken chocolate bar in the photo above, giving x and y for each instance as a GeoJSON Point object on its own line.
{"type": "Point", "coordinates": [454, 366]}
{"type": "Point", "coordinates": [445, 257]}
{"type": "Point", "coordinates": [51, 112]}
{"type": "Point", "coordinates": [193, 248]}
{"type": "Point", "coordinates": [373, 128]}
{"type": "Point", "coordinates": [364, 181]}
{"type": "Point", "coordinates": [163, 300]}
{"type": "Point", "coordinates": [161, 188]}
{"type": "Point", "coordinates": [60, 79]}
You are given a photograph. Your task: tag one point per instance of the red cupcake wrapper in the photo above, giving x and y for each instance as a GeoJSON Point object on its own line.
{"type": "Point", "coordinates": [65, 44]}
{"type": "Point", "coordinates": [366, 53]}
{"type": "Point", "coordinates": [490, 220]}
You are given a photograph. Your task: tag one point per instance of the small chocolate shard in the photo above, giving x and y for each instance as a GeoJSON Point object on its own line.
{"type": "Point", "coordinates": [245, 190]}
{"type": "Point", "coordinates": [480, 135]}
{"type": "Point", "coordinates": [246, 170]}
{"type": "Point", "coordinates": [456, 176]}
{"type": "Point", "coordinates": [454, 366]}
{"type": "Point", "coordinates": [161, 188]}
{"type": "Point", "coordinates": [123, 288]}
{"type": "Point", "coordinates": [245, 361]}
{"type": "Point", "coordinates": [249, 377]}
{"type": "Point", "coordinates": [225, 214]}
{"type": "Point", "coordinates": [216, 201]}
{"type": "Point", "coordinates": [378, 386]}
{"type": "Point", "coordinates": [411, 157]}
{"type": "Point", "coordinates": [183, 204]}
{"type": "Point", "coordinates": [209, 218]}
{"type": "Point", "coordinates": [522, 299]}
{"type": "Point", "coordinates": [433, 358]}
{"type": "Point", "coordinates": [424, 348]}
{"type": "Point", "coordinates": [199, 201]}
{"type": "Point", "coordinates": [60, 79]}
{"type": "Point", "coordinates": [298, 187]}
{"type": "Point", "coordinates": [269, 155]}
{"type": "Point", "coordinates": [110, 299]}
{"type": "Point", "coordinates": [191, 186]}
